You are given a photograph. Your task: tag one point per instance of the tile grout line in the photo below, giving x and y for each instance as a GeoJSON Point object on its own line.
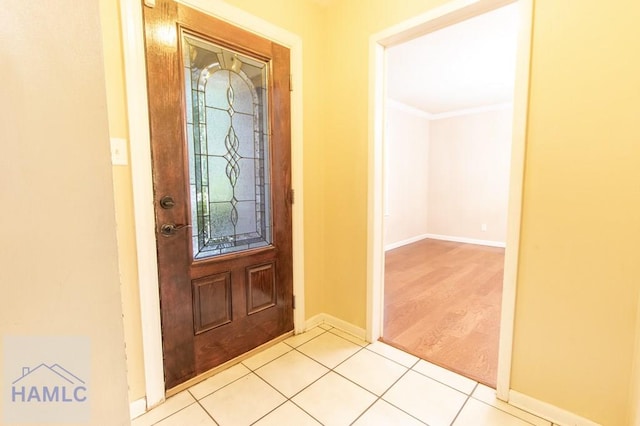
{"type": "Point", "coordinates": [251, 370]}
{"type": "Point", "coordinates": [207, 411]}
{"type": "Point", "coordinates": [506, 412]}
{"type": "Point", "coordinates": [332, 370]}
{"type": "Point", "coordinates": [394, 383]}
{"type": "Point", "coordinates": [306, 412]}
{"type": "Point", "coordinates": [290, 399]}
{"type": "Point", "coordinates": [391, 359]}
{"type": "Point", "coordinates": [348, 340]}
{"type": "Point", "coordinates": [329, 370]}
{"type": "Point", "coordinates": [197, 401]}
{"type": "Point", "coordinates": [287, 399]}
{"type": "Point", "coordinates": [380, 398]}
{"type": "Point", "coordinates": [427, 361]}
{"type": "Point", "coordinates": [221, 387]}
{"type": "Point", "coordinates": [510, 414]}
{"type": "Point", "coordinates": [463, 405]}
{"type": "Point", "coordinates": [449, 371]}
{"type": "Point", "coordinates": [175, 412]}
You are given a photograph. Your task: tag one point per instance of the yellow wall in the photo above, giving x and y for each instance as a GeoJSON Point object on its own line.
{"type": "Point", "coordinates": [578, 274]}
{"type": "Point", "coordinates": [350, 24]}
{"type": "Point", "coordinates": [58, 256]}
{"type": "Point", "coordinates": [579, 271]}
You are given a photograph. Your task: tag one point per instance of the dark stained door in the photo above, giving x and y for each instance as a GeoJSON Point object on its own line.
{"type": "Point", "coordinates": [219, 105]}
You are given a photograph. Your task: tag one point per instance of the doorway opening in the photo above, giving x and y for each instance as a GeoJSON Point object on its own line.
{"type": "Point", "coordinates": [448, 134]}
{"type": "Point", "coordinates": [445, 16]}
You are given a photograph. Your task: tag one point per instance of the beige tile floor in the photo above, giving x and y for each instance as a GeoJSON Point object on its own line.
{"type": "Point", "coordinates": [328, 377]}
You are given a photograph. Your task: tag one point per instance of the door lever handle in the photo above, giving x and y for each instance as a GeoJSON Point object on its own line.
{"type": "Point", "coordinates": [169, 229]}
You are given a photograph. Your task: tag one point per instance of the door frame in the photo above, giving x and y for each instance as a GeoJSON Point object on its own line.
{"type": "Point", "coordinates": [140, 147]}
{"type": "Point", "coordinates": [448, 14]}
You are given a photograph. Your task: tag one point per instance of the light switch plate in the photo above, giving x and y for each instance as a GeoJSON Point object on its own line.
{"type": "Point", "coordinates": [119, 152]}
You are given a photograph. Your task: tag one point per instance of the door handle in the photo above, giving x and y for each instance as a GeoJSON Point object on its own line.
{"type": "Point", "coordinates": [169, 229]}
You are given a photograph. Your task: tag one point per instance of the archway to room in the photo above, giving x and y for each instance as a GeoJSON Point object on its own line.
{"type": "Point", "coordinates": [382, 44]}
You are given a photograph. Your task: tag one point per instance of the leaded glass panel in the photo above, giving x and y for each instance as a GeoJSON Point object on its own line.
{"type": "Point", "coordinates": [228, 143]}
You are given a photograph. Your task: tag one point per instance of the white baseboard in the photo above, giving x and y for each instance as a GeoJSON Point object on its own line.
{"type": "Point", "coordinates": [547, 411]}
{"type": "Point", "coordinates": [137, 408]}
{"type": "Point", "coordinates": [489, 243]}
{"type": "Point", "coordinates": [314, 321]}
{"type": "Point", "coordinates": [405, 242]}
{"type": "Point", "coordinates": [412, 240]}
{"type": "Point", "coordinates": [337, 323]}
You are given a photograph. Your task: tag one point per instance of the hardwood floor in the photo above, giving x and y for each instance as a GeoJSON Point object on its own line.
{"type": "Point", "coordinates": [442, 303]}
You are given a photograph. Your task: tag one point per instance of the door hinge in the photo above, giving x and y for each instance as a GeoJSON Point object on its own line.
{"type": "Point", "coordinates": [293, 301]}
{"type": "Point", "coordinates": [290, 82]}
{"type": "Point", "coordinates": [292, 195]}
{"type": "Point", "coordinates": [150, 3]}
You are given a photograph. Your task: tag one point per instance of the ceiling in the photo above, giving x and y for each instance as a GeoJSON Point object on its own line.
{"type": "Point", "coordinates": [467, 65]}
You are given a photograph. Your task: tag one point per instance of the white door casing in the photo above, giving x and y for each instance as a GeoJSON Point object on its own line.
{"type": "Point", "coordinates": [445, 15]}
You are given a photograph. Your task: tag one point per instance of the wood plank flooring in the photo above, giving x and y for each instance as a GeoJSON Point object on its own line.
{"type": "Point", "coordinates": [442, 303]}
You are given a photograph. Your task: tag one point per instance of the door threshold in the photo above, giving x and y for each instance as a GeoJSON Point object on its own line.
{"type": "Point", "coordinates": [215, 370]}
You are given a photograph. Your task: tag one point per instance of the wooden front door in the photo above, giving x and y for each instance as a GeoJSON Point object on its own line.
{"type": "Point", "coordinates": [219, 103]}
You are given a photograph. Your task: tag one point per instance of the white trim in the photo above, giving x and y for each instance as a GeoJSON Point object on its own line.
{"type": "Point", "coordinates": [447, 14]}
{"type": "Point", "coordinates": [472, 111]}
{"type": "Point", "coordinates": [337, 323]}
{"type": "Point", "coordinates": [547, 411]}
{"type": "Point", "coordinates": [139, 144]}
{"type": "Point", "coordinates": [401, 106]}
{"type": "Point", "coordinates": [375, 204]}
{"type": "Point", "coordinates": [453, 11]}
{"type": "Point", "coordinates": [135, 76]}
{"type": "Point", "coordinates": [406, 242]}
{"type": "Point", "coordinates": [464, 240]}
{"type": "Point", "coordinates": [488, 243]}
{"type": "Point", "coordinates": [314, 321]}
{"type": "Point", "coordinates": [137, 408]}
{"type": "Point", "coordinates": [514, 212]}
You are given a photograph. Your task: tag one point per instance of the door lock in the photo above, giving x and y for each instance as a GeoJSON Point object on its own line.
{"type": "Point", "coordinates": [167, 202]}
{"type": "Point", "coordinates": [169, 229]}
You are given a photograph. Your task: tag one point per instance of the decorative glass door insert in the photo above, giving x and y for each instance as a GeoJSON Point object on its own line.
{"type": "Point", "coordinates": [228, 142]}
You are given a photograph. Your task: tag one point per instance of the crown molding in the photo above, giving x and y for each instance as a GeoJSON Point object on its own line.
{"type": "Point", "coordinates": [401, 106]}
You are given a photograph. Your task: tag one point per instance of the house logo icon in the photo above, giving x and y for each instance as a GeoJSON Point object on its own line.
{"type": "Point", "coordinates": [48, 384]}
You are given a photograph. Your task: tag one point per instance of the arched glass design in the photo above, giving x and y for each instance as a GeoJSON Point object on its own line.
{"type": "Point", "coordinates": [228, 142]}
